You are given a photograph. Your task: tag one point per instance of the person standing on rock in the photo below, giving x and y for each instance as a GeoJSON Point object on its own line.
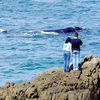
{"type": "Point", "coordinates": [67, 48]}
{"type": "Point", "coordinates": [76, 43]}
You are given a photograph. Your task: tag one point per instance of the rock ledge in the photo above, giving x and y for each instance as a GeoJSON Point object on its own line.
{"type": "Point", "coordinates": [55, 84]}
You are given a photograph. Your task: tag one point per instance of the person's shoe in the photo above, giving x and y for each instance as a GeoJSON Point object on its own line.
{"type": "Point", "coordinates": [64, 70]}
{"type": "Point", "coordinates": [75, 69]}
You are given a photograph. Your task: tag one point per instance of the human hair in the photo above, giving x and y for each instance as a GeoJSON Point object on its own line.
{"type": "Point", "coordinates": [76, 34]}
{"type": "Point", "coordinates": [68, 40]}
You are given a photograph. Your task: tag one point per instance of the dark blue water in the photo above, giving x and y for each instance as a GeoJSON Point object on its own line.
{"type": "Point", "coordinates": [23, 54]}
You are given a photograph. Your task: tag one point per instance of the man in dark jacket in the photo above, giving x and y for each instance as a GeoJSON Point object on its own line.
{"type": "Point", "coordinates": [76, 43]}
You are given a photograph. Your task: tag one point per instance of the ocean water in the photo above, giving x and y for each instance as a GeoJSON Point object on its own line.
{"type": "Point", "coordinates": [23, 54]}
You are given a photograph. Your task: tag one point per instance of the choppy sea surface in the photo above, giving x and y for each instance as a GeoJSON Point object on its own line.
{"type": "Point", "coordinates": [23, 54]}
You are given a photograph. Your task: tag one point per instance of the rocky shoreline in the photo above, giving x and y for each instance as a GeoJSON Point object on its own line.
{"type": "Point", "coordinates": [55, 84]}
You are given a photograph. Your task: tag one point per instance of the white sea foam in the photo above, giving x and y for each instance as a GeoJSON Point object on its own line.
{"type": "Point", "coordinates": [54, 33]}
{"type": "Point", "coordinates": [24, 35]}
{"type": "Point", "coordinates": [2, 30]}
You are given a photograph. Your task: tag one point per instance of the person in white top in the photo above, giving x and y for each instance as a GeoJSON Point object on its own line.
{"type": "Point", "coordinates": [67, 48]}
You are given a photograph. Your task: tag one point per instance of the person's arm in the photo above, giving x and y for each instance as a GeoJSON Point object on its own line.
{"type": "Point", "coordinates": [71, 49]}
{"type": "Point", "coordinates": [81, 42]}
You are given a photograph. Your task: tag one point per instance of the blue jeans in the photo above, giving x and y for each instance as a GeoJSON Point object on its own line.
{"type": "Point", "coordinates": [66, 60]}
{"type": "Point", "coordinates": [75, 59]}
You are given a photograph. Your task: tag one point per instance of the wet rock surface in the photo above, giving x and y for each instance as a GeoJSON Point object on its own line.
{"type": "Point", "coordinates": [55, 84]}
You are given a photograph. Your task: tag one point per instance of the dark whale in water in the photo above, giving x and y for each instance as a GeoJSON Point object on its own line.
{"type": "Point", "coordinates": [55, 31]}
{"type": "Point", "coordinates": [65, 30]}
